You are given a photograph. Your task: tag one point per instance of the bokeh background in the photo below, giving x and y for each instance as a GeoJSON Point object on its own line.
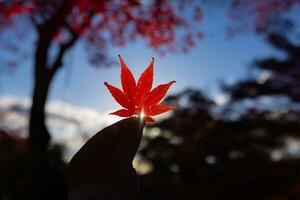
{"type": "Point", "coordinates": [235, 132]}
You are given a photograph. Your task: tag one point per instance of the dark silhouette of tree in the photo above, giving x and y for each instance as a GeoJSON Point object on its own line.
{"type": "Point", "coordinates": [284, 73]}
{"type": "Point", "coordinates": [98, 23]}
{"type": "Point", "coordinates": [239, 151]}
{"type": "Point", "coordinates": [10, 163]}
{"type": "Point", "coordinates": [200, 155]}
{"type": "Point", "coordinates": [260, 16]}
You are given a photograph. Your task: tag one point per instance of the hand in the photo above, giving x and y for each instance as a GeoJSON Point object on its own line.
{"type": "Point", "coordinates": [102, 168]}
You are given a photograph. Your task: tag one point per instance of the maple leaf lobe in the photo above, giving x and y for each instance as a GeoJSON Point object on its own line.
{"type": "Point", "coordinates": [145, 81]}
{"type": "Point", "coordinates": [127, 81]}
{"type": "Point", "coordinates": [118, 95]}
{"type": "Point", "coordinates": [122, 113]}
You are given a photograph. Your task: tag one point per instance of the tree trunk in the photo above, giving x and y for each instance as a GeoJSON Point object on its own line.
{"type": "Point", "coordinates": [39, 135]}
{"type": "Point", "coordinates": [43, 179]}
{"type": "Point", "coordinates": [40, 180]}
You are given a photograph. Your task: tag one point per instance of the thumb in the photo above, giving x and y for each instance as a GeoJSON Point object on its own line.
{"type": "Point", "coordinates": [102, 168]}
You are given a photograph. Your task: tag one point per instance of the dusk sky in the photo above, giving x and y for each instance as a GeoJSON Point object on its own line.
{"type": "Point", "coordinates": [215, 58]}
{"type": "Point", "coordinates": [82, 96]}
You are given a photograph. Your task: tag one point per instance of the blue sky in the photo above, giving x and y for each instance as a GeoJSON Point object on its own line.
{"type": "Point", "coordinates": [214, 59]}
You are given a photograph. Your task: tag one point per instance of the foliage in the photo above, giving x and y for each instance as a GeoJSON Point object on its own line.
{"type": "Point", "coordinates": [101, 24]}
{"type": "Point", "coordinates": [243, 150]}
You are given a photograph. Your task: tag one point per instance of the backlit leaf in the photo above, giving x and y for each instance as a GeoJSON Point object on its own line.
{"type": "Point", "coordinates": [138, 99]}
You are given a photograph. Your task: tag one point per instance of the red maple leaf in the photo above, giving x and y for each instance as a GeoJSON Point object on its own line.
{"type": "Point", "coordinates": [137, 98]}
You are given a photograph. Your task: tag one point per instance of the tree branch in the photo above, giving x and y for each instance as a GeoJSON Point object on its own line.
{"type": "Point", "coordinates": [63, 49]}
{"type": "Point", "coordinates": [66, 46]}
{"type": "Point", "coordinates": [56, 21]}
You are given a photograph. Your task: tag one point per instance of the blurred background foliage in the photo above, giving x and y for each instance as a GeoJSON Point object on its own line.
{"type": "Point", "coordinates": [245, 150]}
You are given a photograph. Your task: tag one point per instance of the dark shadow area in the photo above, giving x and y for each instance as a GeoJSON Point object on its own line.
{"type": "Point", "coordinates": [245, 150]}
{"type": "Point", "coordinates": [23, 179]}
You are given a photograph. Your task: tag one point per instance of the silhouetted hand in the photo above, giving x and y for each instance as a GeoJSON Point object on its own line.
{"type": "Point", "coordinates": [102, 168]}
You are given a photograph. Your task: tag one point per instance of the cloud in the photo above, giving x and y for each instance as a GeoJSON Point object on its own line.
{"type": "Point", "coordinates": [69, 124]}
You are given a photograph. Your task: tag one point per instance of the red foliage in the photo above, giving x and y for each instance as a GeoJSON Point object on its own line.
{"type": "Point", "coordinates": [137, 98]}
{"type": "Point", "coordinates": [102, 24]}
{"type": "Point", "coordinates": [198, 15]}
{"type": "Point", "coordinates": [105, 23]}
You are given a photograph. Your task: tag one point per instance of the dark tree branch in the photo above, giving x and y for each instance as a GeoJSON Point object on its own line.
{"type": "Point", "coordinates": [34, 22]}
{"type": "Point", "coordinates": [63, 49]}
{"type": "Point", "coordinates": [70, 29]}
{"type": "Point", "coordinates": [53, 24]}
{"type": "Point", "coordinates": [66, 46]}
